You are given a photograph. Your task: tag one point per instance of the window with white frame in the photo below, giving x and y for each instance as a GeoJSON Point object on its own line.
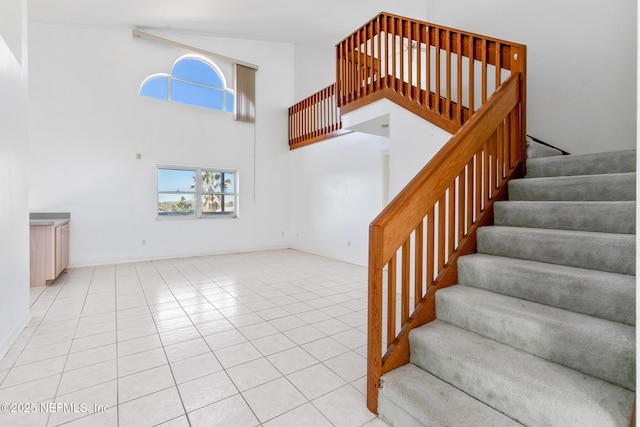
{"type": "Point", "coordinates": [197, 192]}
{"type": "Point", "coordinates": [193, 80]}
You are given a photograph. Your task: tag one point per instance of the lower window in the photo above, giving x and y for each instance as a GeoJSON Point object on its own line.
{"type": "Point", "coordinates": [197, 192]}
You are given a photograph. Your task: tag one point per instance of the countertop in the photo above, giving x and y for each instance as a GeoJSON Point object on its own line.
{"type": "Point", "coordinates": [54, 222]}
{"type": "Point", "coordinates": [49, 218]}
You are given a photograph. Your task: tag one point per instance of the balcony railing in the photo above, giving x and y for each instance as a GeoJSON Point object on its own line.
{"type": "Point", "coordinates": [315, 118]}
{"type": "Point", "coordinates": [439, 73]}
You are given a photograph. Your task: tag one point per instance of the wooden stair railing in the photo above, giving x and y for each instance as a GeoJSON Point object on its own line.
{"type": "Point", "coordinates": [470, 85]}
{"type": "Point", "coordinates": [315, 118]}
{"type": "Point", "coordinates": [416, 240]}
{"type": "Point", "coordinates": [467, 84]}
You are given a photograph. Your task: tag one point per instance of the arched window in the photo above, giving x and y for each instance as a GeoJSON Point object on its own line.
{"type": "Point", "coordinates": [194, 80]}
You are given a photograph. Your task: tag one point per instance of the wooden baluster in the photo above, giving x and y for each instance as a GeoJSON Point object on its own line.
{"type": "Point", "coordinates": [459, 117]}
{"type": "Point", "coordinates": [394, 47]}
{"type": "Point", "coordinates": [494, 162]}
{"type": "Point", "coordinates": [290, 130]}
{"type": "Point", "coordinates": [418, 260]}
{"type": "Point", "coordinates": [327, 111]}
{"type": "Point", "coordinates": [385, 26]}
{"type": "Point", "coordinates": [291, 124]}
{"type": "Point", "coordinates": [357, 54]}
{"type": "Point", "coordinates": [451, 222]}
{"type": "Point", "coordinates": [461, 207]}
{"type": "Point", "coordinates": [378, 70]}
{"type": "Point", "coordinates": [342, 73]}
{"type": "Point", "coordinates": [321, 111]}
{"type": "Point", "coordinates": [437, 70]}
{"type": "Point", "coordinates": [338, 68]}
{"type": "Point", "coordinates": [499, 154]}
{"type": "Point", "coordinates": [430, 246]}
{"type": "Point", "coordinates": [303, 119]}
{"type": "Point", "coordinates": [297, 123]}
{"type": "Point", "coordinates": [448, 77]}
{"type": "Point", "coordinates": [391, 300]}
{"type": "Point", "coordinates": [419, 38]}
{"type": "Point", "coordinates": [344, 87]}
{"type": "Point", "coordinates": [375, 320]}
{"type": "Point", "coordinates": [403, 80]}
{"type": "Point", "coordinates": [486, 173]}
{"type": "Point", "coordinates": [472, 67]}
{"type": "Point", "coordinates": [478, 184]}
{"type": "Point", "coordinates": [427, 67]}
{"type": "Point", "coordinates": [505, 148]}
{"type": "Point", "coordinates": [484, 71]}
{"type": "Point", "coordinates": [313, 109]}
{"type": "Point", "coordinates": [347, 72]}
{"type": "Point", "coordinates": [406, 281]}
{"type": "Point", "coordinates": [498, 48]}
{"type": "Point", "coordinates": [441, 232]}
{"type": "Point", "coordinates": [410, 38]}
{"type": "Point", "coordinates": [329, 101]}
{"type": "Point", "coordinates": [369, 52]}
{"type": "Point", "coordinates": [314, 115]}
{"type": "Point", "coordinates": [470, 187]}
{"type": "Point", "coordinates": [353, 69]}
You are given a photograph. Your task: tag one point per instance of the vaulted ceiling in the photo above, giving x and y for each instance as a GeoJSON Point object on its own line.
{"type": "Point", "coordinates": [290, 21]}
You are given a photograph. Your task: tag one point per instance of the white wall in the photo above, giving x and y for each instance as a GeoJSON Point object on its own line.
{"type": "Point", "coordinates": [14, 215]}
{"type": "Point", "coordinates": [315, 68]}
{"type": "Point", "coordinates": [87, 123]}
{"type": "Point", "coordinates": [581, 64]}
{"type": "Point", "coordinates": [337, 189]}
{"type": "Point", "coordinates": [413, 141]}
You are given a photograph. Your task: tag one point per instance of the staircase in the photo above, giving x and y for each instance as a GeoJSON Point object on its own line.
{"type": "Point", "coordinates": [540, 329]}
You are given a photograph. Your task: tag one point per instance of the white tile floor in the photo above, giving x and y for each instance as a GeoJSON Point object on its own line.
{"type": "Point", "coordinates": [274, 338]}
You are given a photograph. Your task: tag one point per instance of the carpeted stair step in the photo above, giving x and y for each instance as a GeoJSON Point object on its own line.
{"type": "Point", "coordinates": [609, 187]}
{"type": "Point", "coordinates": [522, 386]}
{"type": "Point", "coordinates": [411, 397]}
{"type": "Point", "coordinates": [600, 348]}
{"type": "Point", "coordinates": [602, 294]}
{"type": "Point", "coordinates": [599, 216]}
{"type": "Point", "coordinates": [596, 251]}
{"type": "Point", "coordinates": [583, 164]}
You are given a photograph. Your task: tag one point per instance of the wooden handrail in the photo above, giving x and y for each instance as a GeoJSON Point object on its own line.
{"type": "Point", "coordinates": [415, 242]}
{"type": "Point", "coordinates": [315, 118]}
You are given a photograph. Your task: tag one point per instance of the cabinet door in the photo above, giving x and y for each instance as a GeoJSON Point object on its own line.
{"type": "Point", "coordinates": [65, 247]}
{"type": "Point", "coordinates": [58, 256]}
{"type": "Point", "coordinates": [62, 248]}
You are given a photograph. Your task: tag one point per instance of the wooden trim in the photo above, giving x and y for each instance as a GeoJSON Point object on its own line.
{"type": "Point", "coordinates": [318, 138]}
{"type": "Point", "coordinates": [448, 125]}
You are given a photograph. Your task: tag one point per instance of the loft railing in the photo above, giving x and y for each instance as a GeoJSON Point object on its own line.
{"type": "Point", "coordinates": [315, 118]}
{"type": "Point", "coordinates": [439, 73]}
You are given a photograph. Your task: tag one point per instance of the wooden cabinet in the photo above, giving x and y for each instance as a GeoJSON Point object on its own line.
{"type": "Point", "coordinates": [48, 251]}
{"type": "Point", "coordinates": [62, 248]}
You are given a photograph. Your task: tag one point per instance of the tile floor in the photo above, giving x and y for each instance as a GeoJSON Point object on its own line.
{"type": "Point", "coordinates": [274, 338]}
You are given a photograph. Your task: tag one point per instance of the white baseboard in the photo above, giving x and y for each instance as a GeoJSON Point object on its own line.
{"type": "Point", "coordinates": [6, 345]}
